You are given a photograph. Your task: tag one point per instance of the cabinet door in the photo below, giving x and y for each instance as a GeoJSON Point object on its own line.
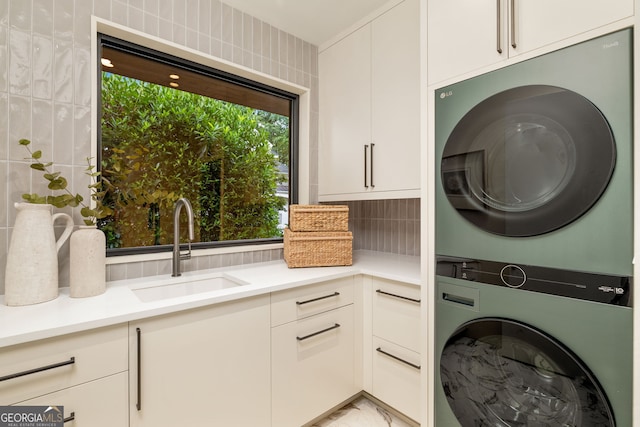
{"type": "Point", "coordinates": [396, 312]}
{"type": "Point", "coordinates": [543, 22]}
{"type": "Point", "coordinates": [203, 367]}
{"type": "Point", "coordinates": [395, 99]}
{"type": "Point", "coordinates": [396, 377]}
{"type": "Point", "coordinates": [99, 403]}
{"type": "Point", "coordinates": [313, 366]}
{"type": "Point", "coordinates": [345, 113]}
{"type": "Point", "coordinates": [468, 35]}
{"type": "Point", "coordinates": [56, 363]}
{"type": "Point", "coordinates": [306, 301]}
{"type": "Point", "coordinates": [465, 35]}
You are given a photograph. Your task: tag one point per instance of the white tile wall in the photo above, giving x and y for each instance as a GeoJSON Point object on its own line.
{"type": "Point", "coordinates": [45, 94]}
{"type": "Point", "coordinates": [45, 87]}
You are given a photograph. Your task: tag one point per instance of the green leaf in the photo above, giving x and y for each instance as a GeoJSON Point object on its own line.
{"type": "Point", "coordinates": [37, 166]}
{"type": "Point", "coordinates": [105, 212]}
{"type": "Point", "coordinates": [57, 201]}
{"type": "Point", "coordinates": [86, 212]}
{"type": "Point", "coordinates": [60, 183]}
{"type": "Point", "coordinates": [34, 198]}
{"type": "Point", "coordinates": [24, 142]}
{"type": "Point", "coordinates": [51, 176]}
{"type": "Point", "coordinates": [36, 155]}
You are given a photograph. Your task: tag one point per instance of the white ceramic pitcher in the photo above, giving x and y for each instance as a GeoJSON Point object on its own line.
{"type": "Point", "coordinates": [32, 262]}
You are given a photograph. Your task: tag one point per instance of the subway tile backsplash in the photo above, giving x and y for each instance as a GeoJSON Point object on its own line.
{"type": "Point", "coordinates": [391, 226]}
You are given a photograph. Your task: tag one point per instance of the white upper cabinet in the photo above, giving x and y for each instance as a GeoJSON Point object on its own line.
{"type": "Point", "coordinates": [370, 110]}
{"type": "Point", "coordinates": [395, 99]}
{"type": "Point", "coordinates": [345, 113]}
{"type": "Point", "coordinates": [466, 35]}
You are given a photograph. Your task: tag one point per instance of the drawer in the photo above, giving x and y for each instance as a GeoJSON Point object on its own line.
{"type": "Point", "coordinates": [53, 364]}
{"type": "Point", "coordinates": [305, 301]}
{"type": "Point", "coordinates": [396, 312]}
{"type": "Point", "coordinates": [396, 377]}
{"type": "Point", "coordinates": [98, 403]}
{"type": "Point", "coordinates": [313, 366]}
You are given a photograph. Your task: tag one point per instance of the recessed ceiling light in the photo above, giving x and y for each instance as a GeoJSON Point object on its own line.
{"type": "Point", "coordinates": [106, 62]}
{"type": "Point", "coordinates": [174, 84]}
{"type": "Point", "coordinates": [174, 76]}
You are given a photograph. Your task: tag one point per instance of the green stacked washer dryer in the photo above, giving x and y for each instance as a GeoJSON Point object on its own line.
{"type": "Point", "coordinates": [534, 236]}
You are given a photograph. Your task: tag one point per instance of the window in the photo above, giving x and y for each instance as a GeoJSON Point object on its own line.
{"type": "Point", "coordinates": [171, 128]}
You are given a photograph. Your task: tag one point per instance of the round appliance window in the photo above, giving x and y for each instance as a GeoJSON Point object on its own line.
{"type": "Point", "coordinates": [528, 160]}
{"type": "Point", "coordinates": [501, 373]}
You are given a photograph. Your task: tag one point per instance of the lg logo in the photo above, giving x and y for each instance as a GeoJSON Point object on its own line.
{"type": "Point", "coordinates": [446, 94]}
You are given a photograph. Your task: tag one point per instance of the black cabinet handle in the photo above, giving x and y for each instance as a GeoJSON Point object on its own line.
{"type": "Point", "coordinates": [335, 294]}
{"type": "Point", "coordinates": [417, 301]}
{"type": "Point", "coordinates": [365, 165]}
{"type": "Point", "coordinates": [413, 365]}
{"type": "Point", "coordinates": [499, 28]}
{"type": "Point", "coordinates": [71, 417]}
{"type": "Point", "coordinates": [371, 178]}
{"type": "Point", "coordinates": [513, 24]}
{"type": "Point", "coordinates": [330, 328]}
{"type": "Point", "coordinates": [139, 376]}
{"type": "Point", "coordinates": [36, 370]}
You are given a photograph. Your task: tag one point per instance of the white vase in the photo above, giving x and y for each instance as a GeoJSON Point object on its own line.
{"type": "Point", "coordinates": [87, 260]}
{"type": "Point", "coordinates": [31, 274]}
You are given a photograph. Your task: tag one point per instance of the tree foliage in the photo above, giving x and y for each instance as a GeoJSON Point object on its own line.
{"type": "Point", "coordinates": [160, 144]}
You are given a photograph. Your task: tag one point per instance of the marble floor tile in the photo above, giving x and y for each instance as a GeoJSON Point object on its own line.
{"type": "Point", "coordinates": [361, 413]}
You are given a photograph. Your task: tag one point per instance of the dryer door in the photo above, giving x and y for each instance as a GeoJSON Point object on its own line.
{"type": "Point", "coordinates": [528, 160]}
{"type": "Point", "coordinates": [498, 372]}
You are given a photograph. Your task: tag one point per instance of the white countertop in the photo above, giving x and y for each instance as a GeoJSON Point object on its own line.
{"type": "Point", "coordinates": [119, 304]}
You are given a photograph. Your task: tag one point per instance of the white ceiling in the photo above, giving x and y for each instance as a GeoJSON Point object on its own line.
{"type": "Point", "coordinates": [315, 21]}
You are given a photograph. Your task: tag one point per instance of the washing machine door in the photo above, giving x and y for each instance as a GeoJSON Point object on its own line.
{"type": "Point", "coordinates": [502, 373]}
{"type": "Point", "coordinates": [528, 160]}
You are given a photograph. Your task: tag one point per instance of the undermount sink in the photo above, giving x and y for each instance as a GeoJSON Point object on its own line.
{"type": "Point", "coordinates": [183, 286]}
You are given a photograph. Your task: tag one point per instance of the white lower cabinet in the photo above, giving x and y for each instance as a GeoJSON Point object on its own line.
{"type": "Point", "coordinates": [85, 372]}
{"type": "Point", "coordinates": [396, 377]}
{"type": "Point", "coordinates": [313, 366]}
{"type": "Point", "coordinates": [396, 312]}
{"type": "Point", "coordinates": [280, 359]}
{"type": "Point", "coordinates": [395, 345]}
{"type": "Point", "coordinates": [98, 403]}
{"type": "Point", "coordinates": [203, 367]}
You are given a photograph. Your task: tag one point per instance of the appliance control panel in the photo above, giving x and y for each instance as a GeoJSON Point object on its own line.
{"type": "Point", "coordinates": [608, 289]}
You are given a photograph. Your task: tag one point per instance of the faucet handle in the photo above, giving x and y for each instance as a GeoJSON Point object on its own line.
{"type": "Point", "coordinates": [188, 254]}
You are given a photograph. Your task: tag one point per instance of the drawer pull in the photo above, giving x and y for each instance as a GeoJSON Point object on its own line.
{"type": "Point", "coordinates": [36, 370]}
{"type": "Point", "coordinates": [71, 417]}
{"type": "Point", "coordinates": [337, 325]}
{"type": "Point", "coordinates": [380, 350]}
{"type": "Point", "coordinates": [335, 294]}
{"type": "Point", "coordinates": [417, 301]}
